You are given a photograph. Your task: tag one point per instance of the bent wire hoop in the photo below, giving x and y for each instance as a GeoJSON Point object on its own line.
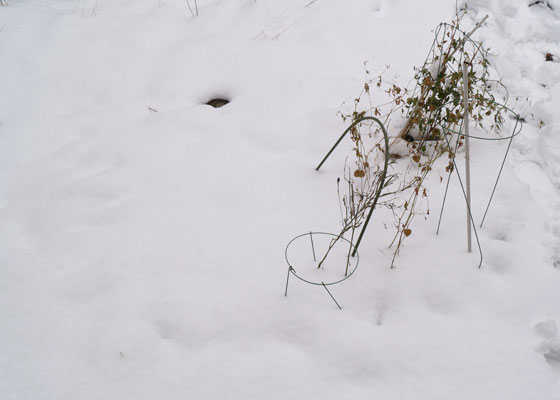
{"type": "Point", "coordinates": [383, 173]}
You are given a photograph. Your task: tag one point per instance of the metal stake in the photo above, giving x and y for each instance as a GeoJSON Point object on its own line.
{"type": "Point", "coordinates": [312, 246]}
{"type": "Point", "coordinates": [288, 280]}
{"type": "Point", "coordinates": [330, 294]}
{"type": "Point", "coordinates": [467, 150]}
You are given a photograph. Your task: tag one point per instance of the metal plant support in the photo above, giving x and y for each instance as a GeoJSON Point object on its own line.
{"type": "Point", "coordinates": [292, 270]}
{"type": "Point", "coordinates": [353, 248]}
{"type": "Point", "coordinates": [449, 135]}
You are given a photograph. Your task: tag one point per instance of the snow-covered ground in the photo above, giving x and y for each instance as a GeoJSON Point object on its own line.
{"type": "Point", "coordinates": [143, 232]}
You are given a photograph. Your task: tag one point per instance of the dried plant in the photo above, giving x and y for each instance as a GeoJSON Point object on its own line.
{"type": "Point", "coordinates": [429, 118]}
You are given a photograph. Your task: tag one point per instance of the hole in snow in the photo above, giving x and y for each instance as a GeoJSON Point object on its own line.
{"type": "Point", "coordinates": [218, 102]}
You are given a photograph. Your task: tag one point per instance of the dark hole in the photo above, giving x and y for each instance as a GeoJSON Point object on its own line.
{"type": "Point", "coordinates": [217, 103]}
{"type": "Point", "coordinates": [409, 138]}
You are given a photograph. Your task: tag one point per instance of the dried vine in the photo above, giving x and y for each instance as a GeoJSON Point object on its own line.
{"type": "Point", "coordinates": [427, 118]}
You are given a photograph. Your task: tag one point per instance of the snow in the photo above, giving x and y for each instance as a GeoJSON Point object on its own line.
{"type": "Point", "coordinates": [143, 232]}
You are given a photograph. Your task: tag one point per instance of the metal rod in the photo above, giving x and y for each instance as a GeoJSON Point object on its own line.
{"type": "Point", "coordinates": [465, 197]}
{"type": "Point", "coordinates": [499, 173]}
{"type": "Point", "coordinates": [477, 26]}
{"type": "Point", "coordinates": [349, 251]}
{"type": "Point", "coordinates": [451, 167]}
{"type": "Point", "coordinates": [334, 147]}
{"type": "Point", "coordinates": [467, 152]}
{"type": "Point", "coordinates": [287, 281]}
{"type": "Point", "coordinates": [381, 185]}
{"type": "Point", "coordinates": [330, 294]}
{"type": "Point", "coordinates": [312, 246]}
{"type": "Point", "coordinates": [347, 130]}
{"type": "Point", "coordinates": [363, 230]}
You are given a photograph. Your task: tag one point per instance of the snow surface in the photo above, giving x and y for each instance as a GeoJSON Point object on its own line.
{"type": "Point", "coordinates": [143, 232]}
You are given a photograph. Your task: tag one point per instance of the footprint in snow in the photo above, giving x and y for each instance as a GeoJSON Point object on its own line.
{"type": "Point", "coordinates": [550, 346]}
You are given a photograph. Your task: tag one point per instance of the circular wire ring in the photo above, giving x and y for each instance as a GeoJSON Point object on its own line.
{"type": "Point", "coordinates": [293, 271]}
